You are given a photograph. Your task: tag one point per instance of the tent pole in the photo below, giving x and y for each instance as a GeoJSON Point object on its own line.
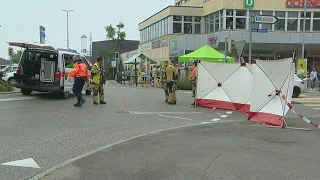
{"type": "Point", "coordinates": [135, 72]}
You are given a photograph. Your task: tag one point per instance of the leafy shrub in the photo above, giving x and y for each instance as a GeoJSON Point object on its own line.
{"type": "Point", "coordinates": [5, 87]}
{"type": "Point", "coordinates": [183, 84]}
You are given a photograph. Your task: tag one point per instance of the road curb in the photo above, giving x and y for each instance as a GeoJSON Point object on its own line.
{"type": "Point", "coordinates": [14, 92]}
{"type": "Point", "coordinates": [59, 166]}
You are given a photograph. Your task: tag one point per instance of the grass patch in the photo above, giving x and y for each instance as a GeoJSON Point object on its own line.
{"type": "Point", "coordinates": [5, 87]}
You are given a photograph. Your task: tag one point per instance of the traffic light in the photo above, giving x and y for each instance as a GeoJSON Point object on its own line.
{"type": "Point", "coordinates": [116, 55]}
{"type": "Point", "coordinates": [10, 51]}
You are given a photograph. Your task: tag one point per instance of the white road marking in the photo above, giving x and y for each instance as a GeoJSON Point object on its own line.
{"type": "Point", "coordinates": [138, 112]}
{"type": "Point", "coordinates": [123, 87]}
{"type": "Point", "coordinates": [187, 92]}
{"type": "Point", "coordinates": [174, 117]}
{"type": "Point", "coordinates": [17, 99]}
{"type": "Point", "coordinates": [229, 112]}
{"type": "Point", "coordinates": [213, 108]}
{"type": "Point", "coordinates": [215, 120]}
{"type": "Point", "coordinates": [22, 163]}
{"type": "Point", "coordinates": [52, 169]}
{"type": "Point", "coordinates": [224, 116]}
{"type": "Point", "coordinates": [219, 114]}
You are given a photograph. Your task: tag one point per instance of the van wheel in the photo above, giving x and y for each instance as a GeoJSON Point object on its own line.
{"type": "Point", "coordinates": [88, 92]}
{"type": "Point", "coordinates": [64, 95]}
{"type": "Point", "coordinates": [296, 92]}
{"type": "Point", "coordinates": [26, 91]}
{"type": "Point", "coordinates": [12, 81]}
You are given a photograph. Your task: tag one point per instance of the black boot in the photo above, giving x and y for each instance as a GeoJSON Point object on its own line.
{"type": "Point", "coordinates": [103, 102]}
{"type": "Point", "coordinates": [78, 104]}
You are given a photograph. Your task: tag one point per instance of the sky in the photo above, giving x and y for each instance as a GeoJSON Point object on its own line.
{"type": "Point", "coordinates": [20, 20]}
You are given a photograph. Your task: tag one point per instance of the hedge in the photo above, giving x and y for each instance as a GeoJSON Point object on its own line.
{"type": "Point", "coordinates": [5, 87]}
{"type": "Point", "coordinates": [183, 84]}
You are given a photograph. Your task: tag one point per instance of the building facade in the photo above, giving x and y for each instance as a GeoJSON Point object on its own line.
{"type": "Point", "coordinates": [125, 46]}
{"type": "Point", "coordinates": [190, 24]}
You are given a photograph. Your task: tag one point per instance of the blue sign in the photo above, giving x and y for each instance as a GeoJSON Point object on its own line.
{"type": "Point", "coordinates": [260, 30]}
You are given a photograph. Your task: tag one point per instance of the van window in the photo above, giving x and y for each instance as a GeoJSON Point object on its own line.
{"type": "Point", "coordinates": [68, 60]}
{"type": "Point", "coordinates": [31, 60]}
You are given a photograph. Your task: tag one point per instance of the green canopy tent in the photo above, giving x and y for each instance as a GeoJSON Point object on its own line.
{"type": "Point", "coordinates": [133, 60]}
{"type": "Point", "coordinates": [205, 53]}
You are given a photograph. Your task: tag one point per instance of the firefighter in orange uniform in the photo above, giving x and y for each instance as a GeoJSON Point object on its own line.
{"type": "Point", "coordinates": [193, 78]}
{"type": "Point", "coordinates": [81, 74]}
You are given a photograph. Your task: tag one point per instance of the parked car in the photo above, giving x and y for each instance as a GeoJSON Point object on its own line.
{"type": "Point", "coordinates": [8, 74]}
{"type": "Point", "coordinates": [299, 87]}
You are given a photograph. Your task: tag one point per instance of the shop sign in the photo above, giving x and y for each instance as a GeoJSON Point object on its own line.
{"type": "Point", "coordinates": [248, 3]}
{"type": "Point", "coordinates": [173, 45]}
{"type": "Point", "coordinates": [164, 42]}
{"type": "Point", "coordinates": [131, 53]}
{"type": "Point", "coordinates": [155, 44]}
{"type": "Point", "coordinates": [159, 43]}
{"type": "Point", "coordinates": [300, 4]}
{"type": "Point", "coordinates": [213, 39]}
{"type": "Point", "coordinates": [146, 47]}
{"type": "Point", "coordinates": [175, 54]}
{"type": "Point", "coordinates": [302, 67]}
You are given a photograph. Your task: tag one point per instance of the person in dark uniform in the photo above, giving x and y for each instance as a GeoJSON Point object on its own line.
{"type": "Point", "coordinates": [80, 73]}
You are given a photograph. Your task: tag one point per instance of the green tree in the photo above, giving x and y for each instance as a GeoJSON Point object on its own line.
{"type": "Point", "coordinates": [107, 65]}
{"type": "Point", "coordinates": [15, 58]}
{"type": "Point", "coordinates": [117, 35]}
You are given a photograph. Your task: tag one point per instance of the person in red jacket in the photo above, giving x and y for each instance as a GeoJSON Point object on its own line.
{"type": "Point", "coordinates": [81, 74]}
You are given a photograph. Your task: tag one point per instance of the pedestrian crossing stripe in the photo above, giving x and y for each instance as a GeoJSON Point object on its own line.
{"type": "Point", "coordinates": [306, 99]}
{"type": "Point", "coordinates": [311, 105]}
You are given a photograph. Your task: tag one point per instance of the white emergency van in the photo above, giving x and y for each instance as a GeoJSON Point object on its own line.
{"type": "Point", "coordinates": [44, 68]}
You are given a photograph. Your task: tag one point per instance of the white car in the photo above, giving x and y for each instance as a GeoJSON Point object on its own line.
{"type": "Point", "coordinates": [9, 73]}
{"type": "Point", "coordinates": [299, 87]}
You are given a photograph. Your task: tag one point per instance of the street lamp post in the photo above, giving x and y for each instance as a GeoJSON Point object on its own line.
{"type": "Point", "coordinates": [67, 11]}
{"type": "Point", "coordinates": [304, 27]}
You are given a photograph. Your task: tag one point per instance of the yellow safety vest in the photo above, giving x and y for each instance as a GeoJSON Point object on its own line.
{"type": "Point", "coordinates": [96, 75]}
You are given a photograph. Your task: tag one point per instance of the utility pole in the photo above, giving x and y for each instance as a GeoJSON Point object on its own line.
{"type": "Point", "coordinates": [67, 11]}
{"type": "Point", "coordinates": [304, 28]}
{"type": "Point", "coordinates": [90, 39]}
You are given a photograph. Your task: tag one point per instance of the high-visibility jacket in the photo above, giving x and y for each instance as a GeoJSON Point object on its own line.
{"type": "Point", "coordinates": [80, 70]}
{"type": "Point", "coordinates": [193, 74]}
{"type": "Point", "coordinates": [96, 73]}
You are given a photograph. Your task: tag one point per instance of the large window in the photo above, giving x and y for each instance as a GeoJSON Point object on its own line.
{"type": "Point", "coordinates": [207, 21]}
{"type": "Point", "coordinates": [212, 18]}
{"type": "Point", "coordinates": [280, 24]}
{"type": "Point", "coordinates": [316, 21]}
{"type": "Point", "coordinates": [197, 24]}
{"type": "Point", "coordinates": [292, 21]}
{"type": "Point", "coordinates": [251, 14]}
{"type": "Point", "coordinates": [177, 24]}
{"type": "Point", "coordinates": [308, 21]}
{"type": "Point", "coordinates": [267, 26]}
{"type": "Point", "coordinates": [229, 19]}
{"type": "Point", "coordinates": [241, 19]}
{"type": "Point", "coordinates": [187, 24]}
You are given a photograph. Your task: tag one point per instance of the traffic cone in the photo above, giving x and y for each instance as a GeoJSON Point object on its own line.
{"type": "Point", "coordinates": [122, 105]}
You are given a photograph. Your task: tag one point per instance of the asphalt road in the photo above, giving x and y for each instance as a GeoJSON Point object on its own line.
{"type": "Point", "coordinates": [52, 131]}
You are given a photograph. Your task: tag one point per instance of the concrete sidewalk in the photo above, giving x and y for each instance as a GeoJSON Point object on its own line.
{"type": "Point", "coordinates": [222, 151]}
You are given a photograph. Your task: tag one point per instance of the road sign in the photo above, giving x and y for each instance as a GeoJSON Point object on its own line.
{"type": "Point", "coordinates": [239, 46]}
{"type": "Point", "coordinates": [260, 30]}
{"type": "Point", "coordinates": [113, 64]}
{"type": "Point", "coordinates": [265, 19]}
{"type": "Point", "coordinates": [42, 31]}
